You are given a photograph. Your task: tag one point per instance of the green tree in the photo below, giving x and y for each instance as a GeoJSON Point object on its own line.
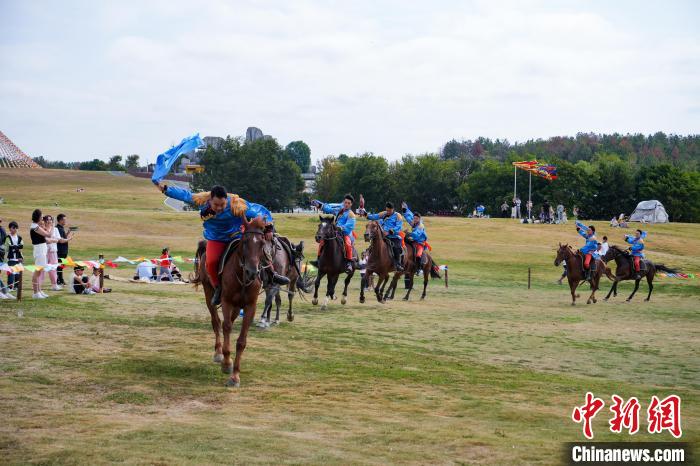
{"type": "Point", "coordinates": [328, 179]}
{"type": "Point", "coordinates": [258, 171]}
{"type": "Point", "coordinates": [367, 174]}
{"type": "Point", "coordinates": [115, 163]}
{"type": "Point", "coordinates": [677, 190]}
{"type": "Point", "coordinates": [300, 153]}
{"type": "Point", "coordinates": [93, 165]}
{"type": "Point", "coordinates": [427, 183]}
{"type": "Point", "coordinates": [132, 162]}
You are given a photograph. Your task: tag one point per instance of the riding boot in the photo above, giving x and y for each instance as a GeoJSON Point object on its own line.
{"type": "Point", "coordinates": [348, 266]}
{"type": "Point", "coordinates": [397, 264]}
{"type": "Point", "coordinates": [216, 298]}
{"type": "Point", "coordinates": [314, 263]}
{"type": "Point", "coordinates": [588, 274]}
{"type": "Point", "coordinates": [637, 275]}
{"type": "Point", "coordinates": [279, 279]}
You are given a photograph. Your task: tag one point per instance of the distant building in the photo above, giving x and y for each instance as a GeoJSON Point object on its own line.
{"type": "Point", "coordinates": [309, 181]}
{"type": "Point", "coordinates": [12, 156]}
{"type": "Point", "coordinates": [253, 134]}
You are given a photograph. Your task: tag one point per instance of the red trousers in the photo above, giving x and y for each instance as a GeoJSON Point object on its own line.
{"type": "Point", "coordinates": [214, 251]}
{"type": "Point", "coordinates": [636, 263]}
{"type": "Point", "coordinates": [419, 250]}
{"type": "Point", "coordinates": [348, 247]}
{"type": "Point", "coordinates": [587, 261]}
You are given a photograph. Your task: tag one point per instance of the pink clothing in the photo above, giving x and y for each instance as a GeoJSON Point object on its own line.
{"type": "Point", "coordinates": [52, 259]}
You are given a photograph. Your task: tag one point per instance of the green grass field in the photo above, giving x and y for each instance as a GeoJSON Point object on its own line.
{"type": "Point", "coordinates": [483, 372]}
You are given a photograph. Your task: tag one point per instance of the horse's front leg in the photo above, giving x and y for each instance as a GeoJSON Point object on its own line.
{"type": "Point", "coordinates": [594, 288]}
{"type": "Point", "coordinates": [330, 291]}
{"type": "Point", "coordinates": [215, 324]}
{"type": "Point", "coordinates": [248, 315]}
{"type": "Point", "coordinates": [636, 287]}
{"type": "Point", "coordinates": [612, 288]}
{"type": "Point", "coordinates": [317, 283]}
{"type": "Point", "coordinates": [573, 285]}
{"type": "Point", "coordinates": [426, 279]}
{"type": "Point", "coordinates": [227, 310]}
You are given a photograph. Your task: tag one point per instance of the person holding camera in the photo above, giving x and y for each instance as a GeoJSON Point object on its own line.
{"type": "Point", "coordinates": [66, 234]}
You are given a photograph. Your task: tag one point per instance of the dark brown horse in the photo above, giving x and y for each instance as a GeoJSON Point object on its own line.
{"type": "Point", "coordinates": [574, 266]}
{"type": "Point", "coordinates": [625, 271]}
{"type": "Point", "coordinates": [331, 262]}
{"type": "Point", "coordinates": [240, 281]}
{"type": "Point", "coordinates": [424, 264]}
{"type": "Point", "coordinates": [286, 260]}
{"type": "Point", "coordinates": [379, 261]}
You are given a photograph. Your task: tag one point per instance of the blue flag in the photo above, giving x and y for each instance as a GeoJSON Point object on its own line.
{"type": "Point", "coordinates": [167, 159]}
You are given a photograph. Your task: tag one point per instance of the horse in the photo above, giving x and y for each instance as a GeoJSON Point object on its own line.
{"type": "Point", "coordinates": [625, 271]}
{"type": "Point", "coordinates": [331, 262]}
{"type": "Point", "coordinates": [241, 283]}
{"type": "Point", "coordinates": [427, 265]}
{"type": "Point", "coordinates": [574, 265]}
{"type": "Point", "coordinates": [379, 261]}
{"type": "Point", "coordinates": [285, 253]}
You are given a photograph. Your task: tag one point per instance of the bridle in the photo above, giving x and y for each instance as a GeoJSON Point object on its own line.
{"type": "Point", "coordinates": [245, 284]}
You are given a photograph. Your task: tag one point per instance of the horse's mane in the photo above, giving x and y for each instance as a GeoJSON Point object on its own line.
{"type": "Point", "coordinates": [620, 250]}
{"type": "Point", "coordinates": [329, 217]}
{"type": "Point", "coordinates": [257, 222]}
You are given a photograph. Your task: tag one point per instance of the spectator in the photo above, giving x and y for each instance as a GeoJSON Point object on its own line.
{"type": "Point", "coordinates": [545, 209]}
{"type": "Point", "coordinates": [81, 283]}
{"type": "Point", "coordinates": [165, 262]}
{"type": "Point", "coordinates": [62, 249]}
{"type": "Point", "coordinates": [604, 247]}
{"type": "Point", "coordinates": [576, 213]}
{"type": "Point", "coordinates": [145, 271]}
{"type": "Point", "coordinates": [517, 202]}
{"type": "Point", "coordinates": [39, 235]}
{"type": "Point", "coordinates": [504, 209]}
{"type": "Point", "coordinates": [14, 253]}
{"type": "Point", "coordinates": [560, 212]}
{"type": "Point", "coordinates": [551, 215]}
{"type": "Point", "coordinates": [529, 209]}
{"type": "Point", "coordinates": [613, 222]}
{"type": "Point", "coordinates": [95, 282]}
{"type": "Point", "coordinates": [52, 251]}
{"type": "Point", "coordinates": [3, 238]}
{"type": "Point", "coordinates": [622, 221]}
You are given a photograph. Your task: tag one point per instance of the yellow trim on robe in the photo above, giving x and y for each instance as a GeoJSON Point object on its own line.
{"type": "Point", "coordinates": [239, 206]}
{"type": "Point", "coordinates": [201, 198]}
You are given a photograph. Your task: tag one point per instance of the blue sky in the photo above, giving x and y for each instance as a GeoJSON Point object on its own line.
{"type": "Point", "coordinates": [84, 79]}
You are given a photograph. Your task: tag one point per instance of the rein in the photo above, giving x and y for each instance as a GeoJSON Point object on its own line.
{"type": "Point", "coordinates": [241, 262]}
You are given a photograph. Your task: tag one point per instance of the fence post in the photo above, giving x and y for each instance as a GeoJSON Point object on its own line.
{"type": "Point", "coordinates": [528, 277]}
{"type": "Point", "coordinates": [102, 271]}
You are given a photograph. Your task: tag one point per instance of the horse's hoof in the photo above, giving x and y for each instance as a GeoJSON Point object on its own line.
{"type": "Point", "coordinates": [227, 369]}
{"type": "Point", "coordinates": [595, 300]}
{"type": "Point", "coordinates": [362, 300]}
{"type": "Point", "coordinates": [573, 304]}
{"type": "Point", "coordinates": [275, 322]}
{"type": "Point", "coordinates": [218, 358]}
{"type": "Point", "coordinates": [290, 317]}
{"type": "Point", "coordinates": [405, 298]}
{"type": "Point", "coordinates": [578, 295]}
{"type": "Point", "coordinates": [314, 301]}
{"type": "Point", "coordinates": [230, 383]}
{"type": "Point", "coordinates": [343, 300]}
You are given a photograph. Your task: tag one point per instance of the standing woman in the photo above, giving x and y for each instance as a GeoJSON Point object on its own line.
{"type": "Point", "coordinates": [38, 234]}
{"type": "Point", "coordinates": [52, 253]}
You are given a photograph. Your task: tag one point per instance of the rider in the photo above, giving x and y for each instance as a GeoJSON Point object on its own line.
{"type": "Point", "coordinates": [391, 222]}
{"type": "Point", "coordinates": [222, 215]}
{"type": "Point", "coordinates": [345, 221]}
{"type": "Point", "coordinates": [417, 234]}
{"type": "Point", "coordinates": [588, 232]}
{"type": "Point", "coordinates": [636, 247]}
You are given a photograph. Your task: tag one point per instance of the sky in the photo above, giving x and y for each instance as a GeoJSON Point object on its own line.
{"type": "Point", "coordinates": [86, 79]}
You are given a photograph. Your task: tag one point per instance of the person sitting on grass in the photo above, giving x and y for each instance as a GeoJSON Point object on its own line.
{"type": "Point", "coordinates": [95, 282]}
{"type": "Point", "coordinates": [81, 283]}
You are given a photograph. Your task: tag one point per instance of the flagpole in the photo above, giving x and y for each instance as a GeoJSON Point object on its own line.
{"type": "Point", "coordinates": [529, 199]}
{"type": "Point", "coordinates": [515, 182]}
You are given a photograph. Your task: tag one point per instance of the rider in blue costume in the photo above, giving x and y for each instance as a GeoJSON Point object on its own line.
{"type": "Point", "coordinates": [588, 233]}
{"type": "Point", "coordinates": [391, 222]}
{"type": "Point", "coordinates": [636, 247]}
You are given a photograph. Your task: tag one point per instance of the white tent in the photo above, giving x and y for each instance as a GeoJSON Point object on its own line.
{"type": "Point", "coordinates": [649, 212]}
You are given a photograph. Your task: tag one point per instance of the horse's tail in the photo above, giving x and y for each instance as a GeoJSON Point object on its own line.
{"type": "Point", "coordinates": [663, 268]}
{"type": "Point", "coordinates": [304, 283]}
{"type": "Point", "coordinates": [435, 271]}
{"type": "Point", "coordinates": [195, 276]}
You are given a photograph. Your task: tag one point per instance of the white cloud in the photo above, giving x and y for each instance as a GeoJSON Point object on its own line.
{"type": "Point", "coordinates": [345, 77]}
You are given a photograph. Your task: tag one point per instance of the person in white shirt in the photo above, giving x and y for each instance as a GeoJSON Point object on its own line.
{"type": "Point", "coordinates": [604, 248]}
{"type": "Point", "coordinates": [52, 251]}
{"type": "Point", "coordinates": [145, 271]}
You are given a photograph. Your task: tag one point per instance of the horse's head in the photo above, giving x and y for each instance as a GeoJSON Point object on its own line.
{"type": "Point", "coordinates": [252, 247]}
{"type": "Point", "coordinates": [613, 253]}
{"type": "Point", "coordinates": [326, 228]}
{"type": "Point", "coordinates": [562, 254]}
{"type": "Point", "coordinates": [372, 230]}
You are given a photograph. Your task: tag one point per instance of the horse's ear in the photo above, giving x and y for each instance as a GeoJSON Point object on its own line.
{"type": "Point", "coordinates": [559, 244]}
{"type": "Point", "coordinates": [320, 218]}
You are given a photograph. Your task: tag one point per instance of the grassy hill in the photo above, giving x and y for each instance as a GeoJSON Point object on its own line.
{"type": "Point", "coordinates": [485, 371]}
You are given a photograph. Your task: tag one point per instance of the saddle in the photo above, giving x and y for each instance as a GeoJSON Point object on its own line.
{"type": "Point", "coordinates": [594, 262]}
{"type": "Point", "coordinates": [227, 254]}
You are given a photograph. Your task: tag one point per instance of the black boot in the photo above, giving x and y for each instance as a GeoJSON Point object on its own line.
{"type": "Point", "coordinates": [279, 279]}
{"type": "Point", "coordinates": [216, 298]}
{"type": "Point", "coordinates": [637, 276]}
{"type": "Point", "coordinates": [314, 263]}
{"type": "Point", "coordinates": [348, 266]}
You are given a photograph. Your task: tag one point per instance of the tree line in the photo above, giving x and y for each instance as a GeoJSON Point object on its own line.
{"type": "Point", "coordinates": [115, 162]}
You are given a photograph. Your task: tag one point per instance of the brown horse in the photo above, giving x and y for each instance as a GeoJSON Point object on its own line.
{"type": "Point", "coordinates": [574, 266]}
{"type": "Point", "coordinates": [625, 271]}
{"type": "Point", "coordinates": [425, 264]}
{"type": "Point", "coordinates": [331, 262]}
{"type": "Point", "coordinates": [379, 261]}
{"type": "Point", "coordinates": [240, 281]}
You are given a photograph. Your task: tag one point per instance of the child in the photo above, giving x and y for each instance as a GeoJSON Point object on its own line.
{"type": "Point", "coordinates": [81, 283]}
{"type": "Point", "coordinates": [165, 262]}
{"type": "Point", "coordinates": [95, 282]}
